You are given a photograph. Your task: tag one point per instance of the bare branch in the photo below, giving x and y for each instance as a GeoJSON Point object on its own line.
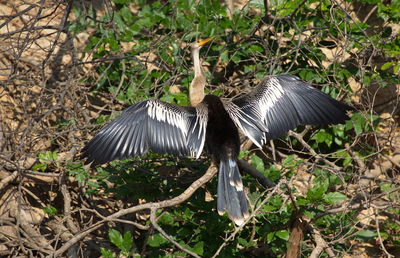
{"type": "Point", "coordinates": [210, 173]}
{"type": "Point", "coordinates": [5, 181]}
{"type": "Point", "coordinates": [379, 235]}
{"type": "Point", "coordinates": [321, 244]}
{"type": "Point", "coordinates": [299, 137]}
{"type": "Point", "coordinates": [249, 169]}
{"type": "Point", "coordinates": [153, 220]}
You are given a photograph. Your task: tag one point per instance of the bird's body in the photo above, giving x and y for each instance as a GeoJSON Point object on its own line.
{"type": "Point", "coordinates": [280, 103]}
{"type": "Point", "coordinates": [223, 144]}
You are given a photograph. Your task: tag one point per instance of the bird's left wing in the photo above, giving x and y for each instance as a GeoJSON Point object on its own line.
{"type": "Point", "coordinates": [151, 124]}
{"type": "Point", "coordinates": [281, 103]}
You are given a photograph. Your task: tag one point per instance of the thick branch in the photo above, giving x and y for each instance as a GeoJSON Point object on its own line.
{"type": "Point", "coordinates": [247, 168]}
{"type": "Point", "coordinates": [321, 244]}
{"type": "Point", "coordinates": [8, 179]}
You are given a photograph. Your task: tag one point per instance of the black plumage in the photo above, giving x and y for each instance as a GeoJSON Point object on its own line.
{"type": "Point", "coordinates": [223, 144]}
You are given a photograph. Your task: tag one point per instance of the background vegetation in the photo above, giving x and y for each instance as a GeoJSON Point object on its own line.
{"type": "Point", "coordinates": [67, 67]}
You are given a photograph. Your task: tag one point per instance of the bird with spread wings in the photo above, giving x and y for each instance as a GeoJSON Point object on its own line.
{"type": "Point", "coordinates": [278, 104]}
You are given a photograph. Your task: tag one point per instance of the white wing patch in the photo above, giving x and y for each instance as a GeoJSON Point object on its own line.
{"type": "Point", "coordinates": [200, 125]}
{"type": "Point", "coordinates": [251, 116]}
{"type": "Point", "coordinates": [239, 118]}
{"type": "Point", "coordinates": [162, 113]}
{"type": "Point", "coordinates": [273, 93]}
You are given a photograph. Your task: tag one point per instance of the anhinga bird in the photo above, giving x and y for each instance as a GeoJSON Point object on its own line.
{"type": "Point", "coordinates": [278, 104]}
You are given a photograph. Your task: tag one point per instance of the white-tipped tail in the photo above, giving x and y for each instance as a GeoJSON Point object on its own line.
{"type": "Point", "coordinates": [231, 197]}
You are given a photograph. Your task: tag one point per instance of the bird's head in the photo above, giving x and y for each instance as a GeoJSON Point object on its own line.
{"type": "Point", "coordinates": [200, 43]}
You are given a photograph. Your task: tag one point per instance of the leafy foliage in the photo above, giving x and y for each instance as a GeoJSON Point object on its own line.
{"type": "Point", "coordinates": [142, 52]}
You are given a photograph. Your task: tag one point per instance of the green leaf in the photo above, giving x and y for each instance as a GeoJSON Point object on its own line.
{"type": "Point", "coordinates": [236, 58]}
{"type": "Point", "coordinates": [365, 234]}
{"type": "Point", "coordinates": [290, 161]}
{"type": "Point", "coordinates": [334, 197]}
{"type": "Point", "coordinates": [156, 240]}
{"type": "Point", "coordinates": [167, 219]}
{"type": "Point", "coordinates": [119, 22]}
{"type": "Point", "coordinates": [198, 248]}
{"type": "Point", "coordinates": [121, 1]}
{"type": "Point", "coordinates": [245, 243]}
{"type": "Point", "coordinates": [273, 173]}
{"type": "Point", "coordinates": [283, 234]}
{"type": "Point", "coordinates": [127, 242]}
{"type": "Point", "coordinates": [387, 187]}
{"type": "Point", "coordinates": [258, 4]}
{"type": "Point", "coordinates": [181, 99]}
{"type": "Point", "coordinates": [77, 171]}
{"type": "Point", "coordinates": [243, 153]}
{"type": "Point", "coordinates": [387, 65]}
{"type": "Point", "coordinates": [48, 156]}
{"type": "Point", "coordinates": [114, 46]}
{"type": "Point", "coordinates": [39, 167]}
{"type": "Point", "coordinates": [126, 14]}
{"type": "Point", "coordinates": [105, 253]}
{"type": "Point", "coordinates": [224, 57]}
{"type": "Point", "coordinates": [168, 98]}
{"type": "Point", "coordinates": [50, 210]}
{"type": "Point", "coordinates": [323, 136]}
{"type": "Point", "coordinates": [307, 75]}
{"type": "Point", "coordinates": [396, 69]}
{"type": "Point", "coordinates": [256, 48]}
{"type": "Point", "coordinates": [309, 214]}
{"type": "Point", "coordinates": [317, 192]}
{"type": "Point", "coordinates": [115, 237]}
{"type": "Point", "coordinates": [257, 163]}
{"type": "Point", "coordinates": [191, 36]}
{"type": "Point", "coordinates": [358, 122]}
{"type": "Point", "coordinates": [124, 243]}
{"type": "Point", "coordinates": [271, 237]}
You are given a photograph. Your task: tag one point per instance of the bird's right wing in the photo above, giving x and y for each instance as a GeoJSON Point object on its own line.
{"type": "Point", "coordinates": [281, 103]}
{"type": "Point", "coordinates": [151, 124]}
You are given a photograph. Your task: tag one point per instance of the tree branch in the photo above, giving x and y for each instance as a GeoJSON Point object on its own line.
{"type": "Point", "coordinates": [321, 244]}
{"type": "Point", "coordinates": [153, 221]}
{"type": "Point", "coordinates": [249, 169]}
{"type": "Point", "coordinates": [210, 173]}
{"type": "Point", "coordinates": [299, 137]}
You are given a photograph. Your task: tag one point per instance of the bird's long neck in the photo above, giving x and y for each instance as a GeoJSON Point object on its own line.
{"type": "Point", "coordinates": [198, 69]}
{"type": "Point", "coordinates": [196, 89]}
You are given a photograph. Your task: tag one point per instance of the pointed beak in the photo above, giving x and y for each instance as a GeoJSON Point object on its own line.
{"type": "Point", "coordinates": [204, 41]}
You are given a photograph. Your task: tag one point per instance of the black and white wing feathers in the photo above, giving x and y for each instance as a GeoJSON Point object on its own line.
{"type": "Point", "coordinates": [151, 124]}
{"type": "Point", "coordinates": [281, 103]}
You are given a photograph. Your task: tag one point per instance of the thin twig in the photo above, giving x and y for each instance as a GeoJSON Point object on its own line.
{"type": "Point", "coordinates": [312, 151]}
{"type": "Point", "coordinates": [360, 163]}
{"type": "Point", "coordinates": [153, 221]}
{"type": "Point", "coordinates": [379, 235]}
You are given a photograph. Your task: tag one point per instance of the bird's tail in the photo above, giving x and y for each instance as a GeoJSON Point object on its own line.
{"type": "Point", "coordinates": [231, 197]}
